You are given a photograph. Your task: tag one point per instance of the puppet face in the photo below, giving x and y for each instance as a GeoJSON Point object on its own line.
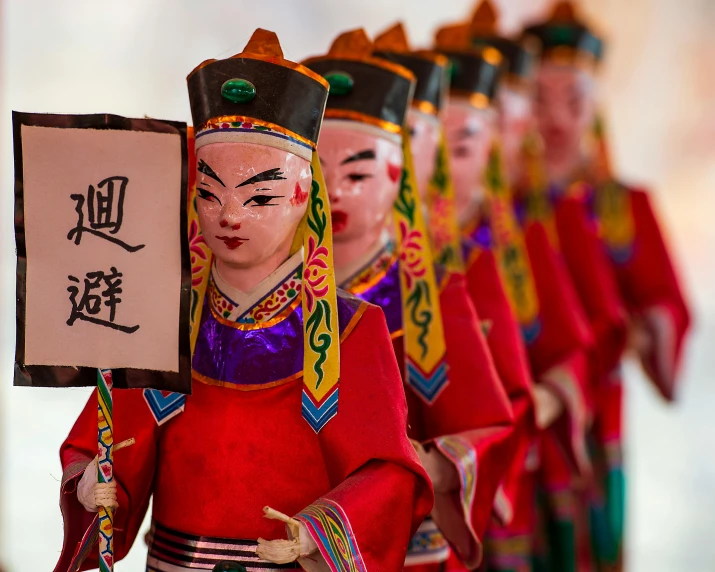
{"type": "Point", "coordinates": [563, 107]}
{"type": "Point", "coordinates": [250, 199]}
{"type": "Point", "coordinates": [515, 121]}
{"type": "Point", "coordinates": [362, 172]}
{"type": "Point", "coordinates": [469, 136]}
{"type": "Point", "coordinates": [424, 140]}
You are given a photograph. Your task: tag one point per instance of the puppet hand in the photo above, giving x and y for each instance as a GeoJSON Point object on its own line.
{"type": "Point", "coordinates": [300, 543]}
{"type": "Point", "coordinates": [92, 494]}
{"type": "Point", "coordinates": [548, 406]}
{"type": "Point", "coordinates": [442, 473]}
{"type": "Point", "coordinates": [278, 551]}
{"type": "Point", "coordinates": [640, 337]}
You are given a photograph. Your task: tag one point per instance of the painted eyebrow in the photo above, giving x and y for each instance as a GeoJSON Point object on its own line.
{"type": "Point", "coordinates": [269, 175]}
{"type": "Point", "coordinates": [208, 171]}
{"type": "Point", "coordinates": [361, 156]}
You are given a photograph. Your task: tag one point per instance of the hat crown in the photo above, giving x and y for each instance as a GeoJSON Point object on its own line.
{"type": "Point", "coordinates": [429, 68]}
{"type": "Point", "coordinates": [263, 43]}
{"type": "Point", "coordinates": [394, 39]}
{"type": "Point", "coordinates": [452, 37]}
{"type": "Point", "coordinates": [372, 89]}
{"type": "Point", "coordinates": [484, 20]}
{"type": "Point", "coordinates": [564, 12]}
{"type": "Point", "coordinates": [258, 86]}
{"type": "Point", "coordinates": [351, 44]}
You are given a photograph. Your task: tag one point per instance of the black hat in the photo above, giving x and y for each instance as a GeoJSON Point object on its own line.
{"type": "Point", "coordinates": [364, 88]}
{"type": "Point", "coordinates": [475, 72]}
{"type": "Point", "coordinates": [257, 93]}
{"type": "Point", "coordinates": [429, 68]}
{"type": "Point", "coordinates": [520, 54]}
{"type": "Point", "coordinates": [566, 38]}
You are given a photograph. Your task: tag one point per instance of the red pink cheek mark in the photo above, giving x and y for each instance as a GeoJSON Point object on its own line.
{"type": "Point", "coordinates": [394, 172]}
{"type": "Point", "coordinates": [299, 196]}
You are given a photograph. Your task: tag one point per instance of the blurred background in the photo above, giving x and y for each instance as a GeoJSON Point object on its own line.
{"type": "Point", "coordinates": [131, 58]}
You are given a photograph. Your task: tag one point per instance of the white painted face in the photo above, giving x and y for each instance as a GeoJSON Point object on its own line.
{"type": "Point", "coordinates": [470, 132]}
{"type": "Point", "coordinates": [362, 173]}
{"type": "Point", "coordinates": [250, 200]}
{"type": "Point", "coordinates": [424, 142]}
{"type": "Point", "coordinates": [564, 108]}
{"type": "Point", "coordinates": [516, 120]}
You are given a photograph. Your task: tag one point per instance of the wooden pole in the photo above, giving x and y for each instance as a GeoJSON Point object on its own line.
{"type": "Point", "coordinates": [105, 442]}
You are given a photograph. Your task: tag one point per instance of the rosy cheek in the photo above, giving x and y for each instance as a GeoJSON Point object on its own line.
{"type": "Point", "coordinates": [394, 172]}
{"type": "Point", "coordinates": [299, 196]}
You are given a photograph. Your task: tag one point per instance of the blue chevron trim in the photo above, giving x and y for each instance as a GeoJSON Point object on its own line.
{"type": "Point", "coordinates": [428, 388]}
{"type": "Point", "coordinates": [531, 331]}
{"type": "Point", "coordinates": [318, 416]}
{"type": "Point", "coordinates": [163, 404]}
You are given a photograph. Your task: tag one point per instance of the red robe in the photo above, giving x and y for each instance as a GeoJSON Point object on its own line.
{"type": "Point", "coordinates": [514, 507]}
{"type": "Point", "coordinates": [213, 468]}
{"type": "Point", "coordinates": [507, 348]}
{"type": "Point", "coordinates": [588, 266]}
{"type": "Point", "coordinates": [557, 347]}
{"type": "Point", "coordinates": [649, 288]}
{"type": "Point", "coordinates": [649, 284]}
{"type": "Point", "coordinates": [471, 422]}
{"type": "Point", "coordinates": [565, 333]}
{"type": "Point", "coordinates": [598, 292]}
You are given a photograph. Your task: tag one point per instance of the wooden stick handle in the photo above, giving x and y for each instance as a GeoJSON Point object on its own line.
{"type": "Point", "coordinates": [105, 466]}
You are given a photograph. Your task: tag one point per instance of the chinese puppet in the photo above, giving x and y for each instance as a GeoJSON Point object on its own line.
{"type": "Point", "coordinates": [517, 279]}
{"type": "Point", "coordinates": [459, 414]}
{"type": "Point", "coordinates": [643, 279]}
{"type": "Point", "coordinates": [437, 192]}
{"type": "Point", "coordinates": [297, 405]}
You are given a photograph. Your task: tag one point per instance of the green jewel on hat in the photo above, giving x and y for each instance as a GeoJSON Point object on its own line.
{"type": "Point", "coordinates": [238, 90]}
{"type": "Point", "coordinates": [341, 83]}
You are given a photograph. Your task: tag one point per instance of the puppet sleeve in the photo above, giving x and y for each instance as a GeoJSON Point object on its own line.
{"type": "Point", "coordinates": [470, 422]}
{"type": "Point", "coordinates": [652, 291]}
{"type": "Point", "coordinates": [595, 285]}
{"type": "Point", "coordinates": [380, 491]}
{"type": "Point", "coordinates": [133, 472]}
{"type": "Point", "coordinates": [510, 358]}
{"type": "Point", "coordinates": [559, 354]}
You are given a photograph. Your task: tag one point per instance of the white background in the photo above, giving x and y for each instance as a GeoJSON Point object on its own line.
{"type": "Point", "coordinates": [131, 57]}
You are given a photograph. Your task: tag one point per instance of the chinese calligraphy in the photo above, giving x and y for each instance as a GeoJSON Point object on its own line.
{"type": "Point", "coordinates": [105, 209]}
{"type": "Point", "coordinates": [89, 307]}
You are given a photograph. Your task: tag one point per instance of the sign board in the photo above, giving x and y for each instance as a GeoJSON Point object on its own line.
{"type": "Point", "coordinates": [103, 263]}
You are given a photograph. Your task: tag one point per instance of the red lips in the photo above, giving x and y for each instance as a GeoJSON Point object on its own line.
{"type": "Point", "coordinates": [232, 242]}
{"type": "Point", "coordinates": [340, 220]}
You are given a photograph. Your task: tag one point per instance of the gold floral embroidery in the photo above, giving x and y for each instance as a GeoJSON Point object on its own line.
{"type": "Point", "coordinates": [274, 307]}
{"type": "Point", "coordinates": [373, 272]}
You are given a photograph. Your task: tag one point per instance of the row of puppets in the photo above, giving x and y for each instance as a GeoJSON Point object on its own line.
{"type": "Point", "coordinates": [416, 276]}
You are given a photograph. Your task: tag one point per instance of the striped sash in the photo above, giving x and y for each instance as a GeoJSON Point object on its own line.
{"type": "Point", "coordinates": [174, 551]}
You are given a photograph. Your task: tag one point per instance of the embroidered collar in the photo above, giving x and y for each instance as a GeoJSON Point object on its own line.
{"type": "Point", "coordinates": [266, 304]}
{"type": "Point", "coordinates": [369, 269]}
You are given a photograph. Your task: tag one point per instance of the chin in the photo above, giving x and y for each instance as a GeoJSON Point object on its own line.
{"type": "Point", "coordinates": [237, 261]}
{"type": "Point", "coordinates": [343, 234]}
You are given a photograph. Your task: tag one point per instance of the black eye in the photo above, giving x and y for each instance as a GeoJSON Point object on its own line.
{"type": "Point", "coordinates": [207, 195]}
{"type": "Point", "coordinates": [357, 177]}
{"type": "Point", "coordinates": [462, 152]}
{"type": "Point", "coordinates": [263, 200]}
{"type": "Point", "coordinates": [412, 131]}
